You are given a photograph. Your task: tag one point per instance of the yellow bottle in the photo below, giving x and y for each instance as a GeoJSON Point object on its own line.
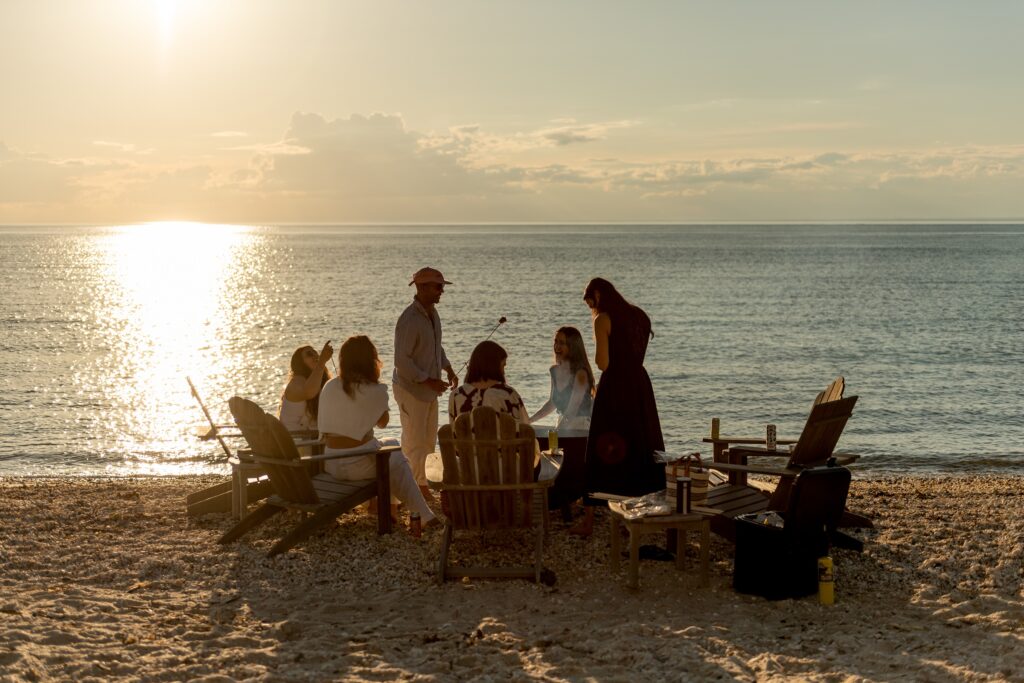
{"type": "Point", "coordinates": [826, 585]}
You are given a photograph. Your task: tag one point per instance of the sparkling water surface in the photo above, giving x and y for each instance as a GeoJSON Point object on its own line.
{"type": "Point", "coordinates": [99, 326]}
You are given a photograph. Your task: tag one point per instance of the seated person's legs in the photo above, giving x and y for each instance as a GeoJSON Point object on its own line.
{"type": "Point", "coordinates": [403, 486]}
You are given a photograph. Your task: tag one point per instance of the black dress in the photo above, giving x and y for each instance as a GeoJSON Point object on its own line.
{"type": "Point", "coordinates": [624, 426]}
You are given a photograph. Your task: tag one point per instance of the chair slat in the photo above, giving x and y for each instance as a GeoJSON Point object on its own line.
{"type": "Point", "coordinates": [452, 475]}
{"type": "Point", "coordinates": [485, 426]}
{"type": "Point", "coordinates": [465, 451]}
{"type": "Point", "coordinates": [509, 453]}
{"type": "Point", "coordinates": [821, 432]}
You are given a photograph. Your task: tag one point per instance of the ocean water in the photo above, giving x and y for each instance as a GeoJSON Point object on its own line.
{"type": "Point", "coordinates": [99, 326]}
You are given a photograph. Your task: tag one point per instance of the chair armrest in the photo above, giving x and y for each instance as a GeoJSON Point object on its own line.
{"type": "Point", "coordinates": [747, 451]}
{"type": "Point", "coordinates": [754, 469]}
{"type": "Point", "coordinates": [844, 459]}
{"type": "Point", "coordinates": [744, 440]}
{"type": "Point", "coordinates": [279, 462]}
{"type": "Point", "coordinates": [357, 454]}
{"type": "Point", "coordinates": [441, 486]}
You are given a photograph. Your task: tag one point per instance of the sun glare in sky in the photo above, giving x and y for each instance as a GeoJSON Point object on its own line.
{"type": "Point", "coordinates": [165, 20]}
{"type": "Point", "coordinates": [389, 111]}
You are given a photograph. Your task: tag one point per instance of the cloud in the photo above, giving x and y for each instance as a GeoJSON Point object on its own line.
{"type": "Point", "coordinates": [574, 133]}
{"type": "Point", "coordinates": [229, 134]}
{"type": "Point", "coordinates": [375, 168]}
{"type": "Point", "coordinates": [125, 147]}
{"type": "Point", "coordinates": [32, 179]}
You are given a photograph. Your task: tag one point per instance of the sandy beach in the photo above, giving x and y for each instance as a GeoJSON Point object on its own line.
{"type": "Point", "coordinates": [106, 579]}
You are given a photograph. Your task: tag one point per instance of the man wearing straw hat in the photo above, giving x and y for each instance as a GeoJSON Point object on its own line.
{"type": "Point", "coordinates": [419, 360]}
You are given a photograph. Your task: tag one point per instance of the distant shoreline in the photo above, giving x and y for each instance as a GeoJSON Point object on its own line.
{"type": "Point", "coordinates": [501, 224]}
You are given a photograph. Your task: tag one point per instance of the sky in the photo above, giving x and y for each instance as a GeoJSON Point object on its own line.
{"type": "Point", "coordinates": [317, 111]}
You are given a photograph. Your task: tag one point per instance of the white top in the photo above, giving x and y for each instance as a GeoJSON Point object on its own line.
{"type": "Point", "coordinates": [350, 416]}
{"type": "Point", "coordinates": [293, 415]}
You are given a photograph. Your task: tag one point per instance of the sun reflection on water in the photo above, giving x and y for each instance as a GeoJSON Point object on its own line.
{"type": "Point", "coordinates": [170, 305]}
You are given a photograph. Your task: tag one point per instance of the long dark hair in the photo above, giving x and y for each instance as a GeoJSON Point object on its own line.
{"type": "Point", "coordinates": [485, 363]}
{"type": "Point", "coordinates": [300, 369]}
{"type": "Point", "coordinates": [358, 363]}
{"type": "Point", "coordinates": [616, 306]}
{"type": "Point", "coordinates": [577, 355]}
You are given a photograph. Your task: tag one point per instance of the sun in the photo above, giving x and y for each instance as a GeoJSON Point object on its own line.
{"type": "Point", "coordinates": [165, 16]}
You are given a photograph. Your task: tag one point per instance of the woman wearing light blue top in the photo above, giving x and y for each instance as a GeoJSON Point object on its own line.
{"type": "Point", "coordinates": [572, 382]}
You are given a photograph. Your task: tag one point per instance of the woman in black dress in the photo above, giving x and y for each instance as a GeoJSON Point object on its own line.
{"type": "Point", "coordinates": [624, 426]}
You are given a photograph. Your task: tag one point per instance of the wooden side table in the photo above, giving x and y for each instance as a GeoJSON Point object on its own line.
{"type": "Point", "coordinates": [637, 528]}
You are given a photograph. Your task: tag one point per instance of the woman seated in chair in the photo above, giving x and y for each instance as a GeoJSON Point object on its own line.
{"type": "Point", "coordinates": [485, 386]}
{"type": "Point", "coordinates": [301, 397]}
{"type": "Point", "coordinates": [572, 382]}
{"type": "Point", "coordinates": [351, 405]}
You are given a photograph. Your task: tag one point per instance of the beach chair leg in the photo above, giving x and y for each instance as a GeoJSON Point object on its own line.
{"type": "Point", "coordinates": [442, 563]}
{"type": "Point", "coordinates": [243, 493]}
{"type": "Point", "coordinates": [854, 520]}
{"type": "Point", "coordinates": [251, 521]}
{"type": "Point", "coordinates": [305, 529]}
{"type": "Point", "coordinates": [616, 542]}
{"type": "Point", "coordinates": [633, 577]}
{"type": "Point", "coordinates": [538, 558]}
{"type": "Point", "coordinates": [236, 495]}
{"type": "Point", "coordinates": [843, 540]}
{"type": "Point", "coordinates": [705, 551]}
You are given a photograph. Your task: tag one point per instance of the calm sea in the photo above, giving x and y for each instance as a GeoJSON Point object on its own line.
{"type": "Point", "coordinates": [99, 326]}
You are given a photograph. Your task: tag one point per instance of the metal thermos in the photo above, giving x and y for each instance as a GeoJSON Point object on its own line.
{"type": "Point", "coordinates": [715, 426]}
{"type": "Point", "coordinates": [683, 495]}
{"type": "Point", "coordinates": [770, 441]}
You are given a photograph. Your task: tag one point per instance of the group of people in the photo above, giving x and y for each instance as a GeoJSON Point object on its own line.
{"type": "Point", "coordinates": [618, 412]}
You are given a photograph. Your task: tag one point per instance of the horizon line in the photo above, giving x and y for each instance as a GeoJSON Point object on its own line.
{"type": "Point", "coordinates": [852, 222]}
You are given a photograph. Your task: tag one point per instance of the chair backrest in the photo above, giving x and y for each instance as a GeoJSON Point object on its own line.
{"type": "Point", "coordinates": [821, 432]}
{"type": "Point", "coordinates": [269, 440]}
{"type": "Point", "coordinates": [818, 501]}
{"type": "Point", "coordinates": [487, 449]}
{"type": "Point", "coordinates": [833, 392]}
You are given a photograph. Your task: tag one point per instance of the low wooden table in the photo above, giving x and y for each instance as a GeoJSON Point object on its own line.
{"type": "Point", "coordinates": [637, 528]}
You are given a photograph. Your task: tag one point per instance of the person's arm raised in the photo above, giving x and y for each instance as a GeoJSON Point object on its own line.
{"type": "Point", "coordinates": [305, 388]}
{"type": "Point", "coordinates": [602, 330]}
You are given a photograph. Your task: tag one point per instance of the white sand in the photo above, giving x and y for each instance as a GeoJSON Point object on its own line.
{"type": "Point", "coordinates": [107, 580]}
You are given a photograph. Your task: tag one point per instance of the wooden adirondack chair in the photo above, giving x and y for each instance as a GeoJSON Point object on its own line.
{"type": "Point", "coordinates": [719, 444]}
{"type": "Point", "coordinates": [295, 488]}
{"type": "Point", "coordinates": [814, 448]}
{"type": "Point", "coordinates": [488, 485]}
{"type": "Point", "coordinates": [248, 482]}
